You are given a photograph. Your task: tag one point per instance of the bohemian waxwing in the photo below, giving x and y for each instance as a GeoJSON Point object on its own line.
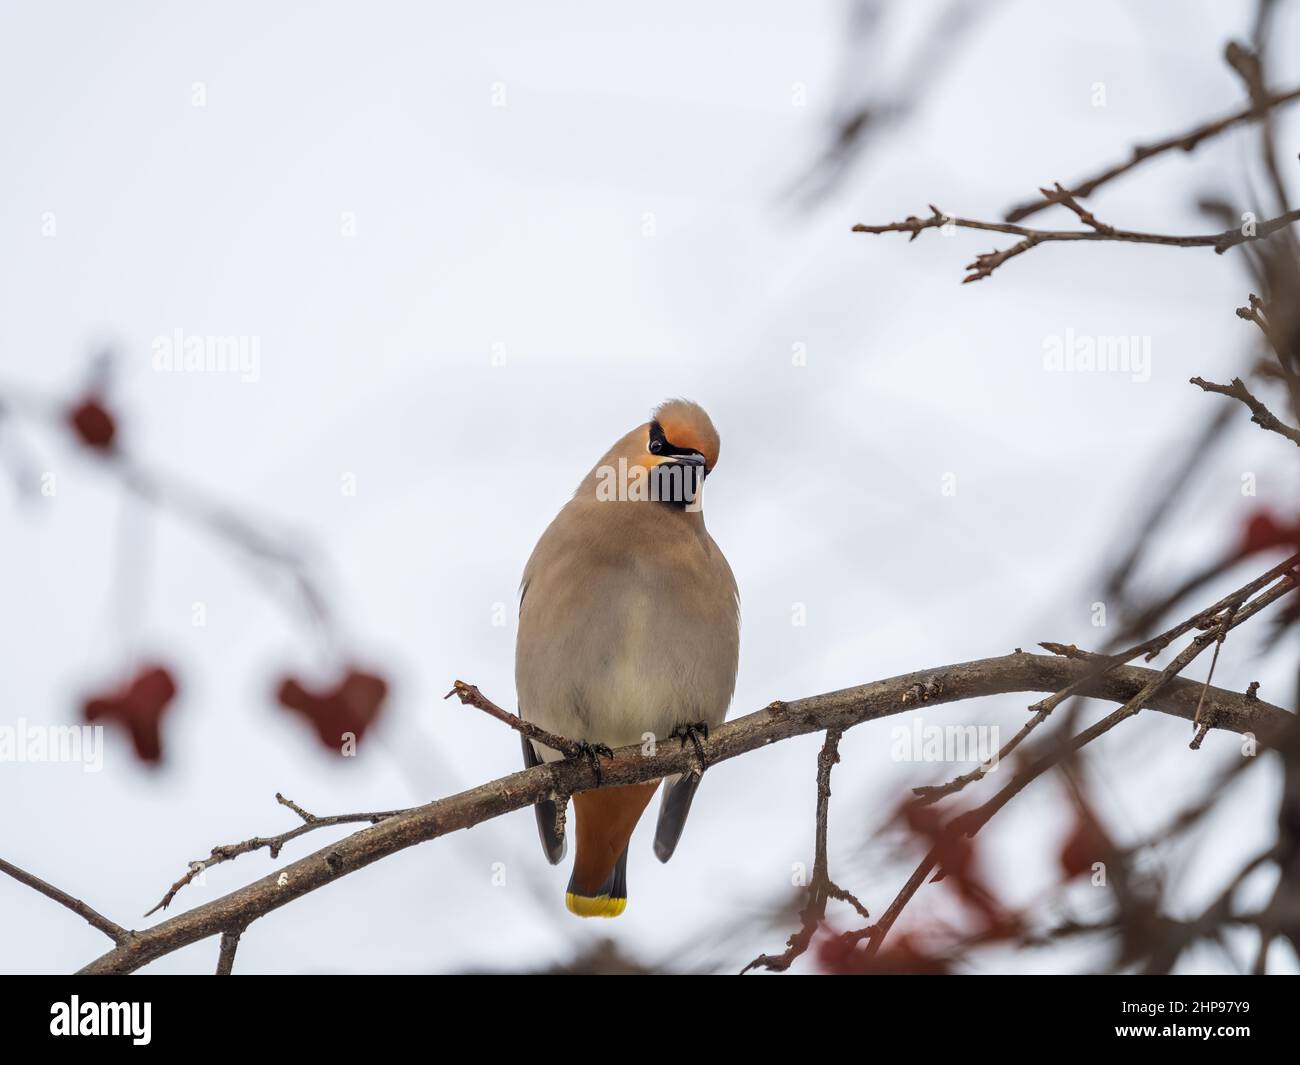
{"type": "Point", "coordinates": [629, 626]}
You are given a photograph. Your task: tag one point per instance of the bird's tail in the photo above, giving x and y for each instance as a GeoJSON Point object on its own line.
{"type": "Point", "coordinates": [609, 900]}
{"type": "Point", "coordinates": [605, 820]}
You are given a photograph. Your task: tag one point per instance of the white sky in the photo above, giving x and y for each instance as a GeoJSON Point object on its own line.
{"type": "Point", "coordinates": [524, 226]}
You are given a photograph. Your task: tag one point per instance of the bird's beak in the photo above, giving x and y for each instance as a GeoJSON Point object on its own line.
{"type": "Point", "coordinates": [680, 478]}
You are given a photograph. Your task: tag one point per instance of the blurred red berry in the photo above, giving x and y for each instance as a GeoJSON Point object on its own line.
{"type": "Point", "coordinates": [1263, 531]}
{"type": "Point", "coordinates": [349, 707]}
{"type": "Point", "coordinates": [93, 424]}
{"type": "Point", "coordinates": [1083, 847]}
{"type": "Point", "coordinates": [955, 861]}
{"type": "Point", "coordinates": [956, 849]}
{"type": "Point", "coordinates": [138, 707]}
{"type": "Point", "coordinates": [901, 954]}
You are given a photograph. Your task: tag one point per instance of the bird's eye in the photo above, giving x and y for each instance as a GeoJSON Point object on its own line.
{"type": "Point", "coordinates": [656, 446]}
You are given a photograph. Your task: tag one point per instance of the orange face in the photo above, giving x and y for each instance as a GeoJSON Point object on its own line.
{"type": "Point", "coordinates": [681, 437]}
{"type": "Point", "coordinates": [681, 428]}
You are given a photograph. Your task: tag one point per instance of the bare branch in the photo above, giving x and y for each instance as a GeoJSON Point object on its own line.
{"type": "Point", "coordinates": [1183, 141]}
{"type": "Point", "coordinates": [1017, 672]}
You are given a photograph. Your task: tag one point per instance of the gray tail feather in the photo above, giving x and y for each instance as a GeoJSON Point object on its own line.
{"type": "Point", "coordinates": [615, 885]}
{"type": "Point", "coordinates": [678, 793]}
{"type": "Point", "coordinates": [554, 843]}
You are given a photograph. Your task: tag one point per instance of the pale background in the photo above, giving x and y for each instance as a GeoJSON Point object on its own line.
{"type": "Point", "coordinates": [525, 226]}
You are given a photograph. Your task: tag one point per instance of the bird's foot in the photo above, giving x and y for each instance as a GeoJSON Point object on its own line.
{"type": "Point", "coordinates": [692, 732]}
{"type": "Point", "coordinates": [593, 752]}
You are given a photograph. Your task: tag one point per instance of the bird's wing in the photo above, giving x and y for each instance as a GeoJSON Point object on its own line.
{"type": "Point", "coordinates": [554, 843]}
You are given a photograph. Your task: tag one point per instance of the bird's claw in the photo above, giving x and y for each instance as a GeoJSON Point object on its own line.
{"type": "Point", "coordinates": [594, 752]}
{"type": "Point", "coordinates": [692, 732]}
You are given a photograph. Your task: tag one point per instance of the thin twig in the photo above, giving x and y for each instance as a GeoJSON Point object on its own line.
{"type": "Point", "coordinates": [972, 821]}
{"type": "Point", "coordinates": [1066, 199]}
{"type": "Point", "coordinates": [822, 887]}
{"type": "Point", "coordinates": [471, 696]}
{"type": "Point", "coordinates": [1209, 676]}
{"type": "Point", "coordinates": [230, 851]}
{"type": "Point", "coordinates": [1042, 709]}
{"type": "Point", "coordinates": [1140, 536]}
{"type": "Point", "coordinates": [1249, 66]}
{"type": "Point", "coordinates": [114, 931]}
{"type": "Point", "coordinates": [1258, 312]}
{"type": "Point", "coordinates": [984, 265]}
{"type": "Point", "coordinates": [1259, 414]}
{"type": "Point", "coordinates": [1181, 661]}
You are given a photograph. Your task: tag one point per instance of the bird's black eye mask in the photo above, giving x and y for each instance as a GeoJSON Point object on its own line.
{"type": "Point", "coordinates": [660, 445]}
{"type": "Point", "coordinates": [675, 483]}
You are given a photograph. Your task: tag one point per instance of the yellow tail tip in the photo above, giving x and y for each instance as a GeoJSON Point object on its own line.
{"type": "Point", "coordinates": [598, 906]}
